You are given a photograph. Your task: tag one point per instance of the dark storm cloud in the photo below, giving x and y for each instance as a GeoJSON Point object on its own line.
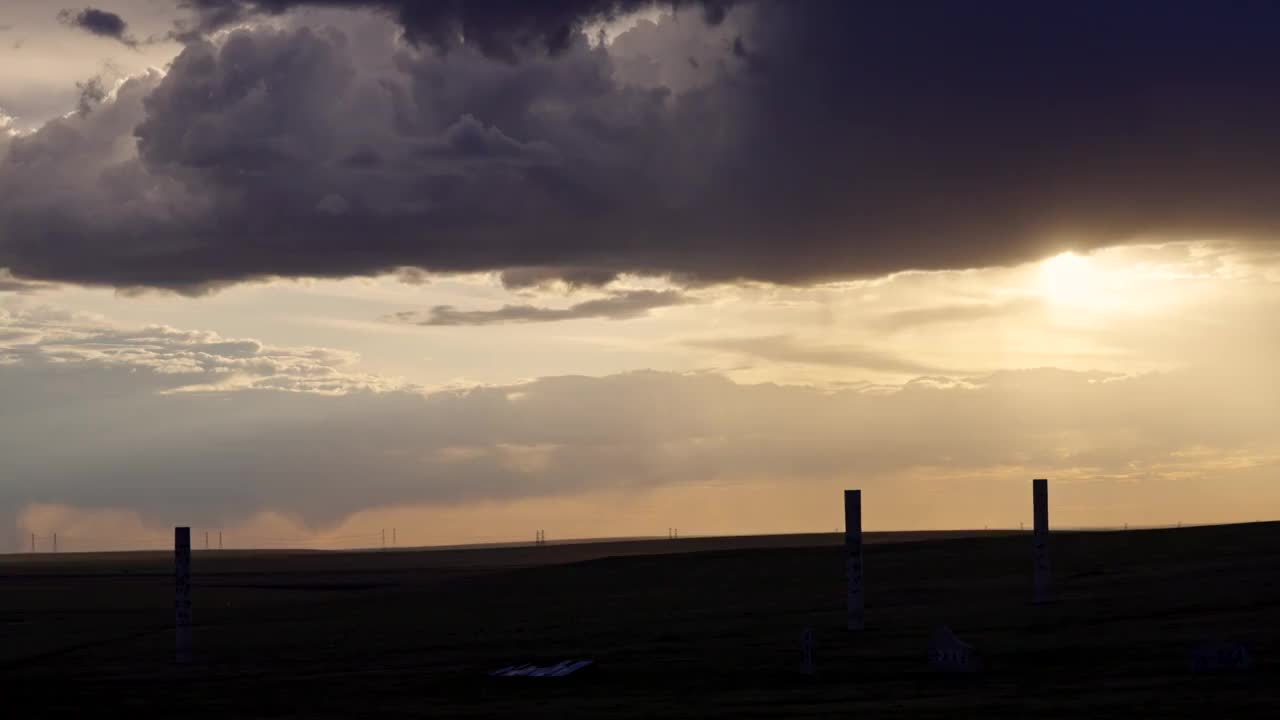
{"type": "Point", "coordinates": [618, 306]}
{"type": "Point", "coordinates": [98, 22]}
{"type": "Point", "coordinates": [785, 349]}
{"type": "Point", "coordinates": [500, 29]}
{"type": "Point", "coordinates": [809, 141]}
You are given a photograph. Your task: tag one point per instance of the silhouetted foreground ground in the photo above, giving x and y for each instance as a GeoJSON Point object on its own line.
{"type": "Point", "coordinates": [693, 628]}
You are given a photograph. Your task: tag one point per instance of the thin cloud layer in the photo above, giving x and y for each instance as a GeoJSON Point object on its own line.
{"type": "Point", "coordinates": [957, 313]}
{"type": "Point", "coordinates": [175, 360]}
{"type": "Point", "coordinates": [616, 306]}
{"type": "Point", "coordinates": [806, 141]}
{"type": "Point", "coordinates": [170, 423]}
{"type": "Point", "coordinates": [786, 349]}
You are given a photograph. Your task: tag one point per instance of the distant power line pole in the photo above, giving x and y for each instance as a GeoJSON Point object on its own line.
{"type": "Point", "coordinates": [393, 537]}
{"type": "Point", "coordinates": [219, 539]}
{"type": "Point", "coordinates": [206, 539]}
{"type": "Point", "coordinates": [55, 542]}
{"type": "Point", "coordinates": [384, 538]}
{"type": "Point", "coordinates": [33, 542]}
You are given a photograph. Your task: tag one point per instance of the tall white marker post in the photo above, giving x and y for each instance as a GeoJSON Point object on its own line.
{"type": "Point", "coordinates": [1043, 584]}
{"type": "Point", "coordinates": [182, 594]}
{"type": "Point", "coordinates": [853, 555]}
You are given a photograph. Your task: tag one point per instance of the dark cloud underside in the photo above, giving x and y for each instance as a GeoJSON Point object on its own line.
{"type": "Point", "coordinates": [499, 28]}
{"type": "Point", "coordinates": [618, 306]}
{"type": "Point", "coordinates": [820, 140]}
{"type": "Point", "coordinates": [8, 283]}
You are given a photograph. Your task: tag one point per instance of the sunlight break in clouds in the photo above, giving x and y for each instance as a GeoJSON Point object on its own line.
{"type": "Point", "coordinates": [269, 420]}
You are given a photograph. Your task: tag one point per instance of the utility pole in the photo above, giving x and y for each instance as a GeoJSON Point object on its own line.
{"type": "Point", "coordinates": [219, 539]}
{"type": "Point", "coordinates": [33, 542]}
{"type": "Point", "coordinates": [182, 593]}
{"type": "Point", "coordinates": [384, 538]}
{"type": "Point", "coordinates": [853, 558]}
{"type": "Point", "coordinates": [393, 537]}
{"type": "Point", "coordinates": [1040, 516]}
{"type": "Point", "coordinates": [206, 539]}
{"type": "Point", "coordinates": [55, 542]}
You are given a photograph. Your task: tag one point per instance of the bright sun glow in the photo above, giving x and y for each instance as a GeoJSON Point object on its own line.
{"type": "Point", "coordinates": [1071, 279]}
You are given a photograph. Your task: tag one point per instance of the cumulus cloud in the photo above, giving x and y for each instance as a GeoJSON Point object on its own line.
{"type": "Point", "coordinates": [99, 22]}
{"type": "Point", "coordinates": [807, 141]}
{"type": "Point", "coordinates": [622, 305]}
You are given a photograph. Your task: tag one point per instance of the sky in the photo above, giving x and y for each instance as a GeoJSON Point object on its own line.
{"type": "Point", "coordinates": [297, 271]}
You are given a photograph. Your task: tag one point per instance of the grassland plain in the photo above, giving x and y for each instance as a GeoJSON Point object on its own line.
{"type": "Point", "coordinates": [689, 628]}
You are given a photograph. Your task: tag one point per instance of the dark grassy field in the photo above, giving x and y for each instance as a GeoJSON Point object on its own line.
{"type": "Point", "coordinates": [692, 628]}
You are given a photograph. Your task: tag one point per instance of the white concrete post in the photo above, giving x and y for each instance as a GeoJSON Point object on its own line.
{"type": "Point", "coordinates": [807, 665]}
{"type": "Point", "coordinates": [182, 597]}
{"type": "Point", "coordinates": [853, 555]}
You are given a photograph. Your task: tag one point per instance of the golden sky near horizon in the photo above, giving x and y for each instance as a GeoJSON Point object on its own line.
{"type": "Point", "coordinates": [1181, 319]}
